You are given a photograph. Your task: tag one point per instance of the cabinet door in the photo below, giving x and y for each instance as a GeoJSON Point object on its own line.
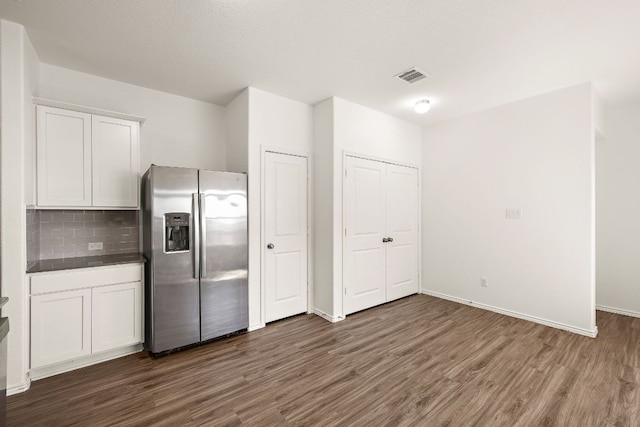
{"type": "Point", "coordinates": [115, 150]}
{"type": "Point", "coordinates": [116, 316]}
{"type": "Point", "coordinates": [63, 157]}
{"type": "Point", "coordinates": [60, 327]}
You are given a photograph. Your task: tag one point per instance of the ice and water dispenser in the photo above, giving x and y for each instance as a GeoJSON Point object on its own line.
{"type": "Point", "coordinates": [176, 232]}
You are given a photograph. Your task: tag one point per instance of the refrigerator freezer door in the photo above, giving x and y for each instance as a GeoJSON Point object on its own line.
{"type": "Point", "coordinates": [173, 317]}
{"type": "Point", "coordinates": [223, 283]}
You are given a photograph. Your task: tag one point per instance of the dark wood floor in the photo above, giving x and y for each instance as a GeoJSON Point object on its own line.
{"type": "Point", "coordinates": [417, 361]}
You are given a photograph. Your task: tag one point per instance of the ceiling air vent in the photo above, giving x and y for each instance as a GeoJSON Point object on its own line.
{"type": "Point", "coordinates": [411, 75]}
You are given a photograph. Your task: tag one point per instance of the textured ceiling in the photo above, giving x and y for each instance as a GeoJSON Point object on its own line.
{"type": "Point", "coordinates": [478, 53]}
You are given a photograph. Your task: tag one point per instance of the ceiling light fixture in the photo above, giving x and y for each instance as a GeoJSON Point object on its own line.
{"type": "Point", "coordinates": [422, 106]}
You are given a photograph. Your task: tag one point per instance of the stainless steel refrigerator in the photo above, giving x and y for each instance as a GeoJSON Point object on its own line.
{"type": "Point", "coordinates": [195, 242]}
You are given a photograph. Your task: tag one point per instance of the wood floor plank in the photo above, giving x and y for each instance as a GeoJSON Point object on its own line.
{"type": "Point", "coordinates": [414, 362]}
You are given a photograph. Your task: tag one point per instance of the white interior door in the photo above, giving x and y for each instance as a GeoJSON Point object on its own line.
{"type": "Point", "coordinates": [402, 231]}
{"type": "Point", "coordinates": [285, 245]}
{"type": "Point", "coordinates": [364, 253]}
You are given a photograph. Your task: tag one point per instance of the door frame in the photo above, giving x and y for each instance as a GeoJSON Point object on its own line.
{"type": "Point", "coordinates": [296, 153]}
{"type": "Point", "coordinates": [345, 154]}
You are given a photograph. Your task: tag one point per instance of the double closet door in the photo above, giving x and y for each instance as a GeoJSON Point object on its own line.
{"type": "Point", "coordinates": [381, 233]}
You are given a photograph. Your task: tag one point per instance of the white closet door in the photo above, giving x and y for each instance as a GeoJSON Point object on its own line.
{"type": "Point", "coordinates": [402, 227]}
{"type": "Point", "coordinates": [364, 257]}
{"type": "Point", "coordinates": [285, 251]}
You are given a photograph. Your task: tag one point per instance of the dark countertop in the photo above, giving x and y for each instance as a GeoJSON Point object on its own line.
{"type": "Point", "coordinates": [84, 262]}
{"type": "Point", "coordinates": [3, 301]}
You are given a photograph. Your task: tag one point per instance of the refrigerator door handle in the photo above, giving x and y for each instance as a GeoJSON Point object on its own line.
{"type": "Point", "coordinates": [196, 235]}
{"type": "Point", "coordinates": [203, 236]}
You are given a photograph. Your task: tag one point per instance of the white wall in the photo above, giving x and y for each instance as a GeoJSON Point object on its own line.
{"type": "Point", "coordinates": [178, 131]}
{"type": "Point", "coordinates": [617, 210]}
{"type": "Point", "coordinates": [366, 131]}
{"type": "Point", "coordinates": [32, 82]}
{"type": "Point", "coordinates": [536, 154]}
{"type": "Point", "coordinates": [323, 166]}
{"type": "Point", "coordinates": [237, 133]}
{"type": "Point", "coordinates": [279, 122]}
{"type": "Point", "coordinates": [274, 122]}
{"type": "Point", "coordinates": [18, 69]}
{"type": "Point", "coordinates": [343, 126]}
{"type": "Point", "coordinates": [599, 118]}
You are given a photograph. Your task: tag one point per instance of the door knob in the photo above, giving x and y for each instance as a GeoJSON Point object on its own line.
{"type": "Point", "coordinates": [270, 246]}
{"type": "Point", "coordinates": [389, 239]}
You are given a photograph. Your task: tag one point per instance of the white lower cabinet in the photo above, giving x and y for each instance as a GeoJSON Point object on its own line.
{"type": "Point", "coordinates": [83, 313]}
{"type": "Point", "coordinates": [60, 326]}
{"type": "Point", "coordinates": [116, 316]}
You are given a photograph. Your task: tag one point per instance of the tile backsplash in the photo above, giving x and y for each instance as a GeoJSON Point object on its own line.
{"type": "Point", "coordinates": [57, 234]}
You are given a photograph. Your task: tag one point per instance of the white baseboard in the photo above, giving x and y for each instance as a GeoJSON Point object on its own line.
{"type": "Point", "coordinates": [545, 322]}
{"type": "Point", "coordinates": [20, 388]}
{"type": "Point", "coordinates": [59, 368]}
{"type": "Point", "coordinates": [256, 326]}
{"type": "Point", "coordinates": [617, 311]}
{"type": "Point", "coordinates": [325, 316]}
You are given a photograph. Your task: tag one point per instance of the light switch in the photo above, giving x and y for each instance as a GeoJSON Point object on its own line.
{"type": "Point", "coordinates": [513, 213]}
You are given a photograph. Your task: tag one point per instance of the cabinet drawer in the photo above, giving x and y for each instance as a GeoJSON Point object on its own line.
{"type": "Point", "coordinates": [84, 278]}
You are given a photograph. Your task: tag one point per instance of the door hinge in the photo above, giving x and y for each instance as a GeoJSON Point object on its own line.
{"type": "Point", "coordinates": [345, 291]}
{"type": "Point", "coordinates": [345, 231]}
{"type": "Point", "coordinates": [345, 173]}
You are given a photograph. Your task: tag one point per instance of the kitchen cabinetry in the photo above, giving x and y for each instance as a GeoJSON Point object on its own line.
{"type": "Point", "coordinates": [84, 312]}
{"type": "Point", "coordinates": [60, 326]}
{"type": "Point", "coordinates": [63, 157]}
{"type": "Point", "coordinates": [86, 160]}
{"type": "Point", "coordinates": [116, 313]}
{"type": "Point", "coordinates": [116, 170]}
{"type": "Point", "coordinates": [381, 233]}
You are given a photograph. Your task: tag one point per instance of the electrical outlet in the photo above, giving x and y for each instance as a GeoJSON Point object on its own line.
{"type": "Point", "coordinates": [95, 246]}
{"type": "Point", "coordinates": [513, 213]}
{"type": "Point", "coordinates": [484, 282]}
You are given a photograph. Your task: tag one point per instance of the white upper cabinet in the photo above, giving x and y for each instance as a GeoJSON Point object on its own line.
{"type": "Point", "coordinates": [115, 148]}
{"type": "Point", "coordinates": [86, 160]}
{"type": "Point", "coordinates": [64, 157]}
